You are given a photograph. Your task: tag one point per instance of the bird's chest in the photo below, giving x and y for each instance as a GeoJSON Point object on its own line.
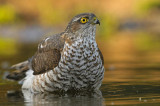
{"type": "Point", "coordinates": [80, 66]}
{"type": "Point", "coordinates": [81, 58]}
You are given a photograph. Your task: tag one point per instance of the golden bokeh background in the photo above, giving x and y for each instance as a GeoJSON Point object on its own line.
{"type": "Point", "coordinates": [129, 30]}
{"type": "Point", "coordinates": [129, 38]}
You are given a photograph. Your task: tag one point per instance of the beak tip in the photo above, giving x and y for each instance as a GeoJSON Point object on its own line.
{"type": "Point", "coordinates": [98, 22]}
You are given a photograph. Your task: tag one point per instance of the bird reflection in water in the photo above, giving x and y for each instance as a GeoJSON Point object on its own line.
{"type": "Point", "coordinates": [61, 99]}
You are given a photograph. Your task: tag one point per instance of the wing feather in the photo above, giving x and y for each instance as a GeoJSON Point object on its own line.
{"type": "Point", "coordinates": [48, 55]}
{"type": "Point", "coordinates": [100, 53]}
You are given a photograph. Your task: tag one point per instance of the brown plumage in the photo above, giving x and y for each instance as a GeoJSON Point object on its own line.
{"type": "Point", "coordinates": [48, 57]}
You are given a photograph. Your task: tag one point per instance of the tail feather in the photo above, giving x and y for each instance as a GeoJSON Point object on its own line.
{"type": "Point", "coordinates": [19, 65]}
{"type": "Point", "coordinates": [20, 71]}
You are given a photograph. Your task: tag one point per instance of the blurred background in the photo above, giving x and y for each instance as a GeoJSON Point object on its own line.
{"type": "Point", "coordinates": [129, 34]}
{"type": "Point", "coordinates": [127, 26]}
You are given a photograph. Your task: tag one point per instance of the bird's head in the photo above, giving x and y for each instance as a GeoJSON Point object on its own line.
{"type": "Point", "coordinates": [82, 23]}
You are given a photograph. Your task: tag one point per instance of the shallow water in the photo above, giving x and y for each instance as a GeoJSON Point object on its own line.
{"type": "Point", "coordinates": [130, 79]}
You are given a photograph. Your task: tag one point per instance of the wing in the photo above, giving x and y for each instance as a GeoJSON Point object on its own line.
{"type": "Point", "coordinates": [48, 54]}
{"type": "Point", "coordinates": [46, 58]}
{"type": "Point", "coordinates": [100, 53]}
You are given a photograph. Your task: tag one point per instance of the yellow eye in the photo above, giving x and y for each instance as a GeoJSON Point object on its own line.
{"type": "Point", "coordinates": [84, 20]}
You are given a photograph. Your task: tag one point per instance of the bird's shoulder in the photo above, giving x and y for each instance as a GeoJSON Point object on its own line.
{"type": "Point", "coordinates": [52, 42]}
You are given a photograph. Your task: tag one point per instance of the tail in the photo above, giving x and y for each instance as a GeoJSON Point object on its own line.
{"type": "Point", "coordinates": [20, 72]}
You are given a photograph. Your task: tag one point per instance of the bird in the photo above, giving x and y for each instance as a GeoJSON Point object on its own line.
{"type": "Point", "coordinates": [68, 61]}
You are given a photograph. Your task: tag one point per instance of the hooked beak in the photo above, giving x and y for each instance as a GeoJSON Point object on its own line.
{"type": "Point", "coordinates": [95, 21]}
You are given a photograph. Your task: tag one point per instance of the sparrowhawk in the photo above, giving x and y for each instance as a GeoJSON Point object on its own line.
{"type": "Point", "coordinates": [70, 60]}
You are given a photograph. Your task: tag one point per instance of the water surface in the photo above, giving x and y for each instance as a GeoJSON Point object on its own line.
{"type": "Point", "coordinates": [130, 79]}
